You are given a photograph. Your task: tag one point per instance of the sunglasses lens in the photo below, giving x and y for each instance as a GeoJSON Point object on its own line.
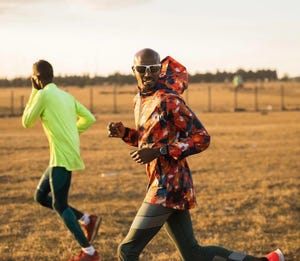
{"type": "Point", "coordinates": [140, 68]}
{"type": "Point", "coordinates": [154, 68]}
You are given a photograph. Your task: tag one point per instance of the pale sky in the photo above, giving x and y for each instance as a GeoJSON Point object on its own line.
{"type": "Point", "coordinates": [101, 36]}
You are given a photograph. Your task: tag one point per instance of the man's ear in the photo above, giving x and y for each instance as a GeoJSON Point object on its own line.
{"type": "Point", "coordinates": [133, 70]}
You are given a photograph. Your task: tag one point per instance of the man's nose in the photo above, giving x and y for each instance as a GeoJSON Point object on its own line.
{"type": "Point", "coordinates": [147, 71]}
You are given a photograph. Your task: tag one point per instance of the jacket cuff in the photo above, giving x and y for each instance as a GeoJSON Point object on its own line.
{"type": "Point", "coordinates": [126, 133]}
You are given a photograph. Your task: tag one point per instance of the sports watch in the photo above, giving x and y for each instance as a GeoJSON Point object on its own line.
{"type": "Point", "coordinates": [164, 150]}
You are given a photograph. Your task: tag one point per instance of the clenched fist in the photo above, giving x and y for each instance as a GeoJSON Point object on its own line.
{"type": "Point", "coordinates": [116, 129]}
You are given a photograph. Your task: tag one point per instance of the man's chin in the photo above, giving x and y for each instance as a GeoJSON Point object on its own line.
{"type": "Point", "coordinates": [148, 87]}
{"type": "Point", "coordinates": [148, 83]}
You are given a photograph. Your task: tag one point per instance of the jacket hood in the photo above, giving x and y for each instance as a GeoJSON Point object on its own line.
{"type": "Point", "coordinates": [173, 75]}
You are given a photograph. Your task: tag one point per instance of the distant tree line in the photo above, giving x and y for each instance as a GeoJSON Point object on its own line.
{"type": "Point", "coordinates": [74, 80]}
{"type": "Point", "coordinates": [121, 79]}
{"type": "Point", "coordinates": [227, 76]}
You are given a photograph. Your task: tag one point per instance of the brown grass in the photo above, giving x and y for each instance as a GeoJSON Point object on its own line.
{"type": "Point", "coordinates": [247, 186]}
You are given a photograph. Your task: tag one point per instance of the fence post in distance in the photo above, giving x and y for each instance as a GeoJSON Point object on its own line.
{"type": "Point", "coordinates": [282, 98]}
{"type": "Point", "coordinates": [12, 103]}
{"type": "Point", "coordinates": [115, 110]}
{"type": "Point", "coordinates": [91, 99]}
{"type": "Point", "coordinates": [209, 98]}
{"type": "Point", "coordinates": [22, 105]}
{"type": "Point", "coordinates": [256, 97]}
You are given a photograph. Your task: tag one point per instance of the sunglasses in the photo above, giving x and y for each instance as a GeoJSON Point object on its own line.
{"type": "Point", "coordinates": [153, 68]}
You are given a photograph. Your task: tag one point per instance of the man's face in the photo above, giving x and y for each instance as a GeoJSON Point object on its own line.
{"type": "Point", "coordinates": [146, 69]}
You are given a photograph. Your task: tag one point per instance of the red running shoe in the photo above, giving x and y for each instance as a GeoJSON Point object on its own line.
{"type": "Point", "coordinates": [91, 229]}
{"type": "Point", "coordinates": [275, 256]}
{"type": "Point", "coordinates": [85, 257]}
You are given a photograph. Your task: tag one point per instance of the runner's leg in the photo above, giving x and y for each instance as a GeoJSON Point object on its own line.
{"type": "Point", "coordinates": [60, 180]}
{"type": "Point", "coordinates": [42, 193]}
{"type": "Point", "coordinates": [179, 227]}
{"type": "Point", "coordinates": [147, 222]}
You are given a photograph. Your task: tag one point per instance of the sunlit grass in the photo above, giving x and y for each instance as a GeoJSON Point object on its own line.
{"type": "Point", "coordinates": [247, 186]}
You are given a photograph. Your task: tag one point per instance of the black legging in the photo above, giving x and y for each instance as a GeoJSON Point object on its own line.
{"type": "Point", "coordinates": [57, 180]}
{"type": "Point", "coordinates": [149, 220]}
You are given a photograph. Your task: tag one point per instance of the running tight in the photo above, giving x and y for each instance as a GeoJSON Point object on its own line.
{"type": "Point", "coordinates": [57, 180]}
{"type": "Point", "coordinates": [149, 220]}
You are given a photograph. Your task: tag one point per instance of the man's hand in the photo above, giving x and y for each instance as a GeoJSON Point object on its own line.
{"type": "Point", "coordinates": [146, 155]}
{"type": "Point", "coordinates": [35, 83]}
{"type": "Point", "coordinates": [116, 130]}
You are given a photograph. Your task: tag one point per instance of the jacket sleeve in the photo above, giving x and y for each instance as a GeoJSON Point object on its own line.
{"type": "Point", "coordinates": [85, 117]}
{"type": "Point", "coordinates": [131, 137]}
{"type": "Point", "coordinates": [191, 136]}
{"type": "Point", "coordinates": [33, 108]}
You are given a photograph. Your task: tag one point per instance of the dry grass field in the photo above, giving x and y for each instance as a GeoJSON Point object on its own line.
{"type": "Point", "coordinates": [205, 97]}
{"type": "Point", "coordinates": [247, 184]}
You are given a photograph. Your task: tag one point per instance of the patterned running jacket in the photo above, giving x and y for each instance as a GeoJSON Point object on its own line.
{"type": "Point", "coordinates": [162, 118]}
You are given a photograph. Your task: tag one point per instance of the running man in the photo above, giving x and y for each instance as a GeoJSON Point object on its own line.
{"type": "Point", "coordinates": [167, 132]}
{"type": "Point", "coordinates": [63, 119]}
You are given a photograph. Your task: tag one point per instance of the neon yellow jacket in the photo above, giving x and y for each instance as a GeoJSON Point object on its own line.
{"type": "Point", "coordinates": [63, 119]}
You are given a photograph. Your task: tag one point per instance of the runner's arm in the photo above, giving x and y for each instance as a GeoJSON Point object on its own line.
{"type": "Point", "coordinates": [131, 137]}
{"type": "Point", "coordinates": [85, 117]}
{"type": "Point", "coordinates": [192, 136]}
{"type": "Point", "coordinates": [33, 108]}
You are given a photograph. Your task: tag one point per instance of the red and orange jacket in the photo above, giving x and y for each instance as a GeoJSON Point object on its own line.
{"type": "Point", "coordinates": [162, 118]}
